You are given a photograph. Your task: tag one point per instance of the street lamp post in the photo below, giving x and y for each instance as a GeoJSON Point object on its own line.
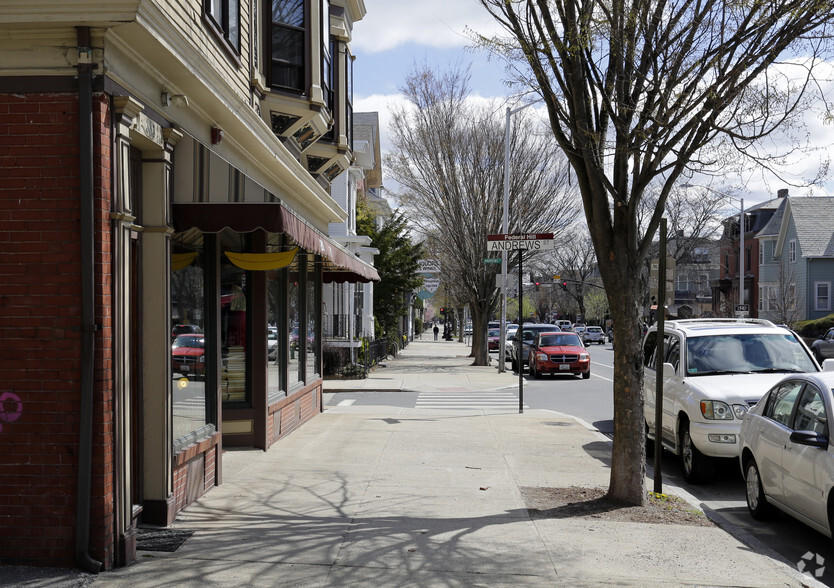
{"type": "Point", "coordinates": [740, 236]}
{"type": "Point", "coordinates": [502, 341]}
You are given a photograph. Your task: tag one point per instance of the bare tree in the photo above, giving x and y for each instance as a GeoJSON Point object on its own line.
{"type": "Point", "coordinates": [649, 91]}
{"type": "Point", "coordinates": [574, 261]}
{"type": "Point", "coordinates": [448, 158]}
{"type": "Point", "coordinates": [779, 300]}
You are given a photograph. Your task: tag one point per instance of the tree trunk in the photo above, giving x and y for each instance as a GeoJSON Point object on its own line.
{"type": "Point", "coordinates": [480, 350]}
{"type": "Point", "coordinates": [628, 463]}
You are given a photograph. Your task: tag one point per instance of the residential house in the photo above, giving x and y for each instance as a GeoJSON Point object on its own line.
{"type": "Point", "coordinates": [166, 168]}
{"type": "Point", "coordinates": [796, 261]}
{"type": "Point", "coordinates": [348, 306]}
{"type": "Point", "coordinates": [725, 289]}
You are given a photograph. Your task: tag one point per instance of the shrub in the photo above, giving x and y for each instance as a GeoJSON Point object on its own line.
{"type": "Point", "coordinates": [815, 328]}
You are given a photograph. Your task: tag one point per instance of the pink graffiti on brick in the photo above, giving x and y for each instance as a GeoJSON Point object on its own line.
{"type": "Point", "coordinates": [10, 408]}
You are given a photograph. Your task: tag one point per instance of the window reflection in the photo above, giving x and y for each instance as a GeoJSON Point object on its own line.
{"type": "Point", "coordinates": [188, 365]}
{"type": "Point", "coordinates": [294, 375]}
{"type": "Point", "coordinates": [232, 325]}
{"type": "Point", "coordinates": [312, 321]}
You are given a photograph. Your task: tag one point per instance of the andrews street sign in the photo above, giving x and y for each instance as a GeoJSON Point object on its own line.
{"type": "Point", "coordinates": [515, 242]}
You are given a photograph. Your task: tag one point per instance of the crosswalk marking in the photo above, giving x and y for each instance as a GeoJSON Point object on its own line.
{"type": "Point", "coordinates": [472, 400]}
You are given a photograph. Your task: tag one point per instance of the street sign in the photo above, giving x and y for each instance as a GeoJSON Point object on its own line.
{"type": "Point", "coordinates": [428, 266]}
{"type": "Point", "coordinates": [523, 241]}
{"type": "Point", "coordinates": [492, 260]}
{"type": "Point", "coordinates": [742, 307]}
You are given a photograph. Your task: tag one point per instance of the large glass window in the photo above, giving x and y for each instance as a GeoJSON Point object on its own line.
{"type": "Point", "coordinates": [275, 344]}
{"type": "Point", "coordinates": [295, 323]}
{"type": "Point", "coordinates": [327, 52]}
{"type": "Point", "coordinates": [288, 31]}
{"type": "Point", "coordinates": [233, 373]}
{"type": "Point", "coordinates": [312, 323]}
{"type": "Point", "coordinates": [225, 16]}
{"type": "Point", "coordinates": [188, 341]}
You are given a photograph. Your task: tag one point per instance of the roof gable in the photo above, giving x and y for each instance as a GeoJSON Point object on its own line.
{"type": "Point", "coordinates": [813, 219]}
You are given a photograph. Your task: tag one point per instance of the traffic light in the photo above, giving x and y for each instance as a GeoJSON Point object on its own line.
{"type": "Point", "coordinates": [442, 309]}
{"type": "Point", "coordinates": [565, 286]}
{"type": "Point", "coordinates": [537, 286]}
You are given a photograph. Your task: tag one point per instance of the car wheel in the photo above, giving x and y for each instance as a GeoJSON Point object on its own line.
{"type": "Point", "coordinates": [697, 468]}
{"type": "Point", "coordinates": [534, 372]}
{"type": "Point", "coordinates": [757, 503]}
{"type": "Point", "coordinates": [514, 364]}
{"type": "Point", "coordinates": [586, 375]}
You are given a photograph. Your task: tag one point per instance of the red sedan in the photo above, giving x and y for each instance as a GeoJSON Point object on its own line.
{"type": "Point", "coordinates": [188, 355]}
{"type": "Point", "coordinates": [559, 353]}
{"type": "Point", "coordinates": [492, 339]}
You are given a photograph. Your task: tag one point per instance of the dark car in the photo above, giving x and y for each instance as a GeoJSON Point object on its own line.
{"type": "Point", "coordinates": [178, 330]}
{"type": "Point", "coordinates": [188, 355]}
{"type": "Point", "coordinates": [823, 347]}
{"type": "Point", "coordinates": [559, 353]}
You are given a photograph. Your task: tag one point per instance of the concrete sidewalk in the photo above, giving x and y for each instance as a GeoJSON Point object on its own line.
{"type": "Point", "coordinates": [391, 496]}
{"type": "Point", "coordinates": [426, 366]}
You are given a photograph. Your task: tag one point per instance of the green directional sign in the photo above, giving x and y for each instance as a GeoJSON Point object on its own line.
{"type": "Point", "coordinates": [492, 260]}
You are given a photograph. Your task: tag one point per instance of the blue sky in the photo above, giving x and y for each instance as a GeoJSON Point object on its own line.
{"type": "Point", "coordinates": [397, 33]}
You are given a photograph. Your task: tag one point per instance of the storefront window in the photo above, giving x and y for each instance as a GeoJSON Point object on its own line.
{"type": "Point", "coordinates": [276, 325]}
{"type": "Point", "coordinates": [295, 323]}
{"type": "Point", "coordinates": [188, 339]}
{"type": "Point", "coordinates": [311, 309]}
{"type": "Point", "coordinates": [232, 323]}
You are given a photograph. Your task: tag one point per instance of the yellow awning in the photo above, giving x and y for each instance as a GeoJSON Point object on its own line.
{"type": "Point", "coordinates": [262, 261]}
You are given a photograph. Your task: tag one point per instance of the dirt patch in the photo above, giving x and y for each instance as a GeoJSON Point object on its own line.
{"type": "Point", "coordinates": [575, 501]}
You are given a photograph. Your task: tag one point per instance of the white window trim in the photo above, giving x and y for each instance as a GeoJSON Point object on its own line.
{"type": "Point", "coordinates": [817, 296]}
{"type": "Point", "coordinates": [762, 296]}
{"type": "Point", "coordinates": [792, 250]}
{"type": "Point", "coordinates": [761, 252]}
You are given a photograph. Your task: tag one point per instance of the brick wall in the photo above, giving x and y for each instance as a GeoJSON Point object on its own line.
{"type": "Point", "coordinates": [40, 342]}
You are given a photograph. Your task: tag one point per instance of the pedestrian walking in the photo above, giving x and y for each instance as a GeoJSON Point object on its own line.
{"type": "Point", "coordinates": [436, 331]}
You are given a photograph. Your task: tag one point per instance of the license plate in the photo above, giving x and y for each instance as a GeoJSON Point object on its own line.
{"type": "Point", "coordinates": [564, 366]}
{"type": "Point", "coordinates": [185, 368]}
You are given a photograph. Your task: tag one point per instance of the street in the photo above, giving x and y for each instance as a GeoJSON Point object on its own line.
{"type": "Point", "coordinates": [591, 401]}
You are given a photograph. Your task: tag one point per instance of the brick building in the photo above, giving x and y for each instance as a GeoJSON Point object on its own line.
{"type": "Point", "coordinates": [165, 170]}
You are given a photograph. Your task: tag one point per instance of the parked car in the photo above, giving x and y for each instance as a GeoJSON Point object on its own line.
{"type": "Point", "coordinates": [527, 336]}
{"type": "Point", "coordinates": [579, 330]}
{"type": "Point", "coordinates": [563, 325]}
{"type": "Point", "coordinates": [786, 457]}
{"type": "Point", "coordinates": [188, 355]}
{"type": "Point", "coordinates": [559, 353]}
{"type": "Point", "coordinates": [178, 330]}
{"type": "Point", "coordinates": [824, 346]}
{"type": "Point", "coordinates": [272, 343]}
{"type": "Point", "coordinates": [593, 335]}
{"type": "Point", "coordinates": [493, 339]}
{"type": "Point", "coordinates": [714, 370]}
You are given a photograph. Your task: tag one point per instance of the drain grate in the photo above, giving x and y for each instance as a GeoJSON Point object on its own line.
{"type": "Point", "coordinates": [149, 539]}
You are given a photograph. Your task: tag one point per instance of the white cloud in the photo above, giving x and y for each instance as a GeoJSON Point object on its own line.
{"type": "Point", "coordinates": [433, 23]}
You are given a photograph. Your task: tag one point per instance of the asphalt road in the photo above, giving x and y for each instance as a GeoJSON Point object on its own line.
{"type": "Point", "coordinates": [592, 401]}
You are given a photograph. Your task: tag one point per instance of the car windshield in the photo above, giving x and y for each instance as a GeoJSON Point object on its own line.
{"type": "Point", "coordinates": [746, 353]}
{"type": "Point", "coordinates": [493, 333]}
{"type": "Point", "coordinates": [189, 341]}
{"type": "Point", "coordinates": [559, 340]}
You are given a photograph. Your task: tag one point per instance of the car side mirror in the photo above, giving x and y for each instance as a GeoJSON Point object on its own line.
{"type": "Point", "coordinates": [828, 365]}
{"type": "Point", "coordinates": [809, 438]}
{"type": "Point", "coordinates": [668, 371]}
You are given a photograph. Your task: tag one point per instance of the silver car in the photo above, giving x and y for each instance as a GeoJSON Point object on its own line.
{"type": "Point", "coordinates": [593, 335]}
{"type": "Point", "coordinates": [786, 455]}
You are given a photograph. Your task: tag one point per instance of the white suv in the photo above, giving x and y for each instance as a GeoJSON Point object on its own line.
{"type": "Point", "coordinates": [714, 371]}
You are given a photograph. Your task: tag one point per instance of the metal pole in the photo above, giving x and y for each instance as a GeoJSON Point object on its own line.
{"type": "Point", "coordinates": [519, 333]}
{"type": "Point", "coordinates": [661, 318]}
{"type": "Point", "coordinates": [741, 254]}
{"type": "Point", "coordinates": [505, 221]}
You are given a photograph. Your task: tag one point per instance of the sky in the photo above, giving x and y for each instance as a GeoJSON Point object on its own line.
{"type": "Point", "coordinates": [396, 34]}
